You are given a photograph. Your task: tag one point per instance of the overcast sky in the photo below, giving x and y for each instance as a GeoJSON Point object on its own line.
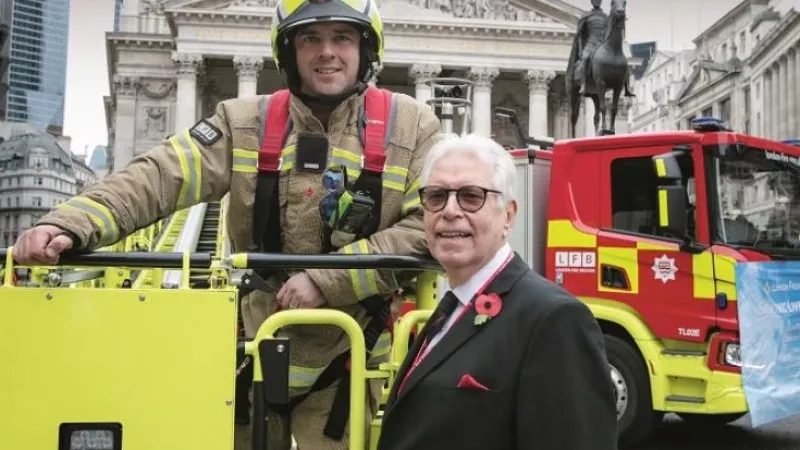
{"type": "Point", "coordinates": [671, 23]}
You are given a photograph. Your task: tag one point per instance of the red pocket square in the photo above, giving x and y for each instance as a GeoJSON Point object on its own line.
{"type": "Point", "coordinates": [469, 382]}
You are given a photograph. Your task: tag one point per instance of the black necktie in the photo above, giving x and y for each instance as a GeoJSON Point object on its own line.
{"type": "Point", "coordinates": [440, 315]}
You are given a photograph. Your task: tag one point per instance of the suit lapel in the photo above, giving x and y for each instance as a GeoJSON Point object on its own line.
{"type": "Point", "coordinates": [409, 359]}
{"type": "Point", "coordinates": [458, 335]}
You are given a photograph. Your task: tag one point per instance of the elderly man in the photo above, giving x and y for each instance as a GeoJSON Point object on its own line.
{"type": "Point", "coordinates": [508, 360]}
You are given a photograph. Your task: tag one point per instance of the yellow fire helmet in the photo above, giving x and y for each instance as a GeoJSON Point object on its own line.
{"type": "Point", "coordinates": [291, 14]}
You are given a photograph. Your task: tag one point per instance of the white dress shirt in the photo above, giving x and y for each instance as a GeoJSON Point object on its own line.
{"type": "Point", "coordinates": [466, 291]}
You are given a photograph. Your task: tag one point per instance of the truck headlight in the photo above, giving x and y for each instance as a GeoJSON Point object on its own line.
{"type": "Point", "coordinates": [733, 355]}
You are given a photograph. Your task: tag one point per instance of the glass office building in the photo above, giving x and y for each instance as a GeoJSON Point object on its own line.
{"type": "Point", "coordinates": [38, 70]}
{"type": "Point", "coordinates": [5, 55]}
{"type": "Point", "coordinates": [117, 14]}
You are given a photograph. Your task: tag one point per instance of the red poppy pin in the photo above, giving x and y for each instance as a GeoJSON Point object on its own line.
{"type": "Point", "coordinates": [487, 306]}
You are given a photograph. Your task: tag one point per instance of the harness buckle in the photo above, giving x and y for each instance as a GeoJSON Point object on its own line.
{"type": "Point", "coordinates": [364, 164]}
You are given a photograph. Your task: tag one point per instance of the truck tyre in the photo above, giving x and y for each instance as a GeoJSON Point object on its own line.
{"type": "Point", "coordinates": [635, 414]}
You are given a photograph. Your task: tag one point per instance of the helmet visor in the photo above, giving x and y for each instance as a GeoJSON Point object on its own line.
{"type": "Point", "coordinates": [293, 13]}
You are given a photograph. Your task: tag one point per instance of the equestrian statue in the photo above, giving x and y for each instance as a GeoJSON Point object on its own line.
{"type": "Point", "coordinates": [597, 64]}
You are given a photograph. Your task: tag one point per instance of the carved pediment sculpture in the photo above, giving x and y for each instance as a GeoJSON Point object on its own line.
{"type": "Point", "coordinates": [157, 88]}
{"type": "Point", "coordinates": [152, 6]}
{"type": "Point", "coordinates": [154, 125]}
{"type": "Point", "coordinates": [260, 4]}
{"type": "Point", "coordinates": [467, 9]}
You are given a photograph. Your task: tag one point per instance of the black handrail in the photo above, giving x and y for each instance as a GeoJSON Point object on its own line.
{"type": "Point", "coordinates": [174, 260]}
{"type": "Point", "coordinates": [337, 261]}
{"type": "Point", "coordinates": [128, 259]}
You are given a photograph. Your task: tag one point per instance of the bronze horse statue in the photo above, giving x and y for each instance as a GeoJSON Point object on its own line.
{"type": "Point", "coordinates": [608, 69]}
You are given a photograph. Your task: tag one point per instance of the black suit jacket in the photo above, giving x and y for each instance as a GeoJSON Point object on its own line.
{"type": "Point", "coordinates": [542, 359]}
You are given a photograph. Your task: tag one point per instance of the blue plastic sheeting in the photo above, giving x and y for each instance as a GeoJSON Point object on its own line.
{"type": "Point", "coordinates": [768, 297]}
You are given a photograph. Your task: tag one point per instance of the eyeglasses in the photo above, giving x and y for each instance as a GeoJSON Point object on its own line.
{"type": "Point", "coordinates": [470, 198]}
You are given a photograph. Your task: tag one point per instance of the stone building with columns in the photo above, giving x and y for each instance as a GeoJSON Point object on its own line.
{"type": "Point", "coordinates": [172, 61]}
{"type": "Point", "coordinates": [774, 77]}
{"type": "Point", "coordinates": [745, 69]}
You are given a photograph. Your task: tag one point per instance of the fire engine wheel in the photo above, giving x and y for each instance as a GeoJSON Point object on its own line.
{"type": "Point", "coordinates": [635, 414]}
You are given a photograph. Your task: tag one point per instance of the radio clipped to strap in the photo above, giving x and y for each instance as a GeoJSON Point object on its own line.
{"type": "Point", "coordinates": [377, 117]}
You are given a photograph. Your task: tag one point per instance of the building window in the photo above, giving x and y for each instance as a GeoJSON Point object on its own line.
{"type": "Point", "coordinates": [747, 112]}
{"type": "Point", "coordinates": [39, 181]}
{"type": "Point", "coordinates": [743, 42]}
{"type": "Point", "coordinates": [708, 112]}
{"type": "Point", "coordinates": [725, 110]}
{"type": "Point", "coordinates": [37, 201]}
{"type": "Point", "coordinates": [634, 184]}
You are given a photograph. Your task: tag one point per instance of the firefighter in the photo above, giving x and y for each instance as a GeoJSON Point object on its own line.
{"type": "Point", "coordinates": [328, 52]}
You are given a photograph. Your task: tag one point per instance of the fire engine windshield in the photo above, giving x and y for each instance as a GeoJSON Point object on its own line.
{"type": "Point", "coordinates": [757, 200]}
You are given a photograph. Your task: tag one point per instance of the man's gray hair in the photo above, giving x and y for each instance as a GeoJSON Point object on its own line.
{"type": "Point", "coordinates": [486, 149]}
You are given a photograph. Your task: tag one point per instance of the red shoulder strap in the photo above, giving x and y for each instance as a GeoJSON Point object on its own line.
{"type": "Point", "coordinates": [274, 123]}
{"type": "Point", "coordinates": [379, 111]}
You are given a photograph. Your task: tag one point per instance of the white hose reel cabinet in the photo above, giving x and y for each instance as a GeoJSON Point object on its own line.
{"type": "Point", "coordinates": [451, 99]}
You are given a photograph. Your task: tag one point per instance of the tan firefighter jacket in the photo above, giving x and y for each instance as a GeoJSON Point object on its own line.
{"type": "Point", "coordinates": [202, 164]}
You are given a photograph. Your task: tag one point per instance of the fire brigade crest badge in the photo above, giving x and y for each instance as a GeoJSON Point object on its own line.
{"type": "Point", "coordinates": [664, 268]}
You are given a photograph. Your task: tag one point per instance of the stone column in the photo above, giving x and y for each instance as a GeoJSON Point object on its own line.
{"type": "Point", "coordinates": [773, 100]}
{"type": "Point", "coordinates": [783, 120]}
{"type": "Point", "coordinates": [796, 78]}
{"type": "Point", "coordinates": [247, 69]}
{"type": "Point", "coordinates": [124, 89]}
{"type": "Point", "coordinates": [538, 88]}
{"type": "Point", "coordinates": [419, 74]}
{"type": "Point", "coordinates": [766, 104]}
{"type": "Point", "coordinates": [791, 92]}
{"type": "Point", "coordinates": [482, 79]}
{"type": "Point", "coordinates": [560, 125]}
{"type": "Point", "coordinates": [187, 67]}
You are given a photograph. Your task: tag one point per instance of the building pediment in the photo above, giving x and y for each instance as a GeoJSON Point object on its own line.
{"type": "Point", "coordinates": [705, 74]}
{"type": "Point", "coordinates": [658, 59]}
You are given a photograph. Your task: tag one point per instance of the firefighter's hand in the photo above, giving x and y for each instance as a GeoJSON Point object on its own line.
{"type": "Point", "coordinates": [41, 245]}
{"type": "Point", "coordinates": [299, 292]}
